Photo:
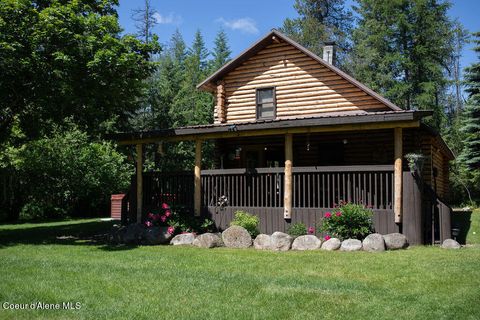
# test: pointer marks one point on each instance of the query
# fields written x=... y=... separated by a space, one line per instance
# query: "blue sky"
x=246 y=20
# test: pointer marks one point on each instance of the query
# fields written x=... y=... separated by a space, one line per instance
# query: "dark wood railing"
x=313 y=187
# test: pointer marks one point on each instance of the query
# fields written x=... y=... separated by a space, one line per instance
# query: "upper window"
x=266 y=103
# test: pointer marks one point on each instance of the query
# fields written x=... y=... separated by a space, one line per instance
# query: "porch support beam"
x=139 y=149
x=232 y=133
x=198 y=173
x=398 y=175
x=287 y=199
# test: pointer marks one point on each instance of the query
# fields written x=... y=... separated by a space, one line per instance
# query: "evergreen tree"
x=191 y=106
x=221 y=52
x=402 y=49
x=321 y=21
x=471 y=121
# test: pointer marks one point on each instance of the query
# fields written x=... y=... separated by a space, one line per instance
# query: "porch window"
x=266 y=103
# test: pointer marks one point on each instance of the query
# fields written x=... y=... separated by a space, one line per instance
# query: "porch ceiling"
x=326 y=123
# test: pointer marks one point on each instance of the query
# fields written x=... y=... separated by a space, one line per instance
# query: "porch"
x=255 y=172
x=315 y=191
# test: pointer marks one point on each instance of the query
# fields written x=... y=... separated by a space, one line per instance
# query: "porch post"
x=398 y=154
x=287 y=199
x=139 y=148
x=198 y=182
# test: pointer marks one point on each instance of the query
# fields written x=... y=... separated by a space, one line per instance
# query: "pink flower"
x=165 y=206
x=338 y=214
x=155 y=217
x=171 y=230
x=327 y=237
x=311 y=230
x=168 y=213
x=148 y=224
x=163 y=218
x=328 y=215
x=151 y=216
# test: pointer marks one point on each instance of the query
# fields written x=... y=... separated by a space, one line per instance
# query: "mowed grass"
x=66 y=261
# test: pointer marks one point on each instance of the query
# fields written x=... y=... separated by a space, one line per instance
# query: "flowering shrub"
x=177 y=221
x=349 y=220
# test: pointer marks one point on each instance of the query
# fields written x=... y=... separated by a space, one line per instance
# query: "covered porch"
x=294 y=171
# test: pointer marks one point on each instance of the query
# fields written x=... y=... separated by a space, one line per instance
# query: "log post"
x=220 y=106
x=398 y=175
x=287 y=199
x=198 y=182
x=139 y=148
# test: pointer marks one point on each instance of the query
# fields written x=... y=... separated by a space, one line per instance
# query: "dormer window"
x=266 y=103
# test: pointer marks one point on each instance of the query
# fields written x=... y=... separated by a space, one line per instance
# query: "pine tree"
x=221 y=52
x=321 y=21
x=402 y=50
x=471 y=121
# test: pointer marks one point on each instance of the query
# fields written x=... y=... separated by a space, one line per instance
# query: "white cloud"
x=171 y=18
x=246 y=25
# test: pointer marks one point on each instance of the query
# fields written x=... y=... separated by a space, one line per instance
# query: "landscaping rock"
x=451 y=244
x=395 y=241
x=155 y=235
x=236 y=237
x=281 y=241
x=374 y=243
x=307 y=242
x=331 y=244
x=208 y=240
x=263 y=242
x=351 y=245
x=183 y=239
x=133 y=233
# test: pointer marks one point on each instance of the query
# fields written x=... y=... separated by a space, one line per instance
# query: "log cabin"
x=295 y=135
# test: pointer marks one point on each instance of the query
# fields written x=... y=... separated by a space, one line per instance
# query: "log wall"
x=304 y=87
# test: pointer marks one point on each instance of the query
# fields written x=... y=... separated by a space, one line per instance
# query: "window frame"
x=258 y=105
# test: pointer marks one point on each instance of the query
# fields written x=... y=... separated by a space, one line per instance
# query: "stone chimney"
x=329 y=52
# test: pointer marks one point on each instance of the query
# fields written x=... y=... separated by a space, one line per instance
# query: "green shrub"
x=349 y=220
x=297 y=229
x=65 y=173
x=246 y=220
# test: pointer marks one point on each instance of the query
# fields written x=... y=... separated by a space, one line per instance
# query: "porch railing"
x=313 y=187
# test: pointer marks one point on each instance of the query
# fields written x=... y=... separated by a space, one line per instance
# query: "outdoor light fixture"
x=345 y=141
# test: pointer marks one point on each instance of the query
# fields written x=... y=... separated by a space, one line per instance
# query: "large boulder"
x=133 y=233
x=451 y=244
x=281 y=241
x=183 y=239
x=307 y=242
x=351 y=245
x=263 y=242
x=155 y=235
x=374 y=243
x=331 y=244
x=236 y=237
x=208 y=240
x=395 y=241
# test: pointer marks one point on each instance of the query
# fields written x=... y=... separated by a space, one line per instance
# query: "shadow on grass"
x=68 y=233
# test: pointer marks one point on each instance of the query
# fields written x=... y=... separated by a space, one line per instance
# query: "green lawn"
x=61 y=262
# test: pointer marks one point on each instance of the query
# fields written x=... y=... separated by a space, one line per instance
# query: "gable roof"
x=209 y=83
